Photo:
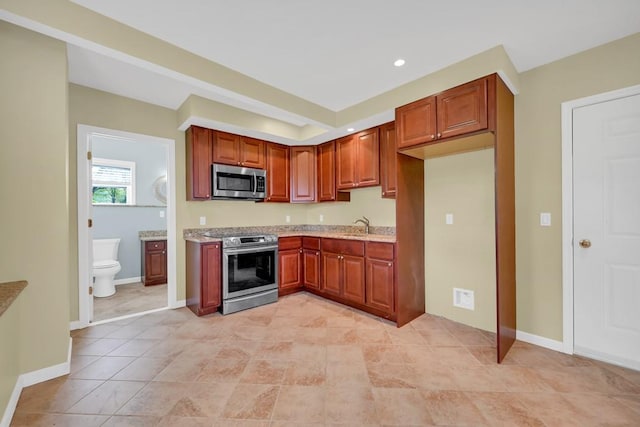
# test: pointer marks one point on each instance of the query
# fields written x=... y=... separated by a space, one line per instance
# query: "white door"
x=606 y=234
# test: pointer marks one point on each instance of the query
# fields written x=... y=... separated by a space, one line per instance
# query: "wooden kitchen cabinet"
x=388 y=153
x=343 y=269
x=380 y=276
x=154 y=262
x=303 y=174
x=236 y=150
x=358 y=160
x=204 y=277
x=462 y=110
x=198 y=156
x=326 y=156
x=311 y=262
x=289 y=265
x=277 y=172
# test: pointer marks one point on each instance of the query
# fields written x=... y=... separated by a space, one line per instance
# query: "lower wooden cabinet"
x=154 y=262
x=289 y=265
x=380 y=276
x=343 y=269
x=204 y=277
x=311 y=262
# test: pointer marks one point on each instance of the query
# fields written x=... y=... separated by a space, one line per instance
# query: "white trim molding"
x=540 y=341
x=567 y=205
x=31 y=378
x=127 y=281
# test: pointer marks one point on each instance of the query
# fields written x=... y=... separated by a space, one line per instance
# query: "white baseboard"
x=540 y=341
x=76 y=324
x=31 y=378
x=127 y=280
x=179 y=304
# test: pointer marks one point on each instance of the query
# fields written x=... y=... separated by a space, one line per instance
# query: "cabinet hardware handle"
x=317 y=253
x=433 y=136
x=439 y=135
x=164 y=252
x=585 y=243
x=207 y=195
x=389 y=264
x=300 y=250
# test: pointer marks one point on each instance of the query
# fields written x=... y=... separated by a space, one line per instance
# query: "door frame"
x=84 y=243
x=567 y=203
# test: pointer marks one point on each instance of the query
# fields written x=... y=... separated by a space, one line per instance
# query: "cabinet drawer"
x=311 y=243
x=155 y=245
x=345 y=247
x=380 y=250
x=285 y=243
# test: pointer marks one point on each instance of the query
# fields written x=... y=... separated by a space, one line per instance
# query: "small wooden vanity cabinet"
x=154 y=262
x=204 y=277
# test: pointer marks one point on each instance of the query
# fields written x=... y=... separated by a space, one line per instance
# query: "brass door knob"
x=585 y=243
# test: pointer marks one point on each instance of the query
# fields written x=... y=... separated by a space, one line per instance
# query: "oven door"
x=249 y=270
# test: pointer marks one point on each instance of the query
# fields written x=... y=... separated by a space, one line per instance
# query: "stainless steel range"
x=249 y=271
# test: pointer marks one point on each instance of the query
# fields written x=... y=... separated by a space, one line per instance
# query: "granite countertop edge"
x=152 y=235
x=9 y=291
x=379 y=234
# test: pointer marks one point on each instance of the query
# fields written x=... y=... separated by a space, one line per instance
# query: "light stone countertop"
x=9 y=291
x=379 y=234
x=152 y=235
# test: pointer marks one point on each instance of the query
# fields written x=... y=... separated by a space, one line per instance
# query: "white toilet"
x=105 y=266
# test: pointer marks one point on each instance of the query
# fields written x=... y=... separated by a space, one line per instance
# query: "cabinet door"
x=353 y=278
x=155 y=265
x=327 y=171
x=198 y=145
x=462 y=109
x=416 y=122
x=311 y=268
x=277 y=173
x=226 y=148
x=289 y=269
x=388 y=160
x=331 y=273
x=303 y=174
x=368 y=158
x=346 y=163
x=380 y=287
x=252 y=153
x=211 y=275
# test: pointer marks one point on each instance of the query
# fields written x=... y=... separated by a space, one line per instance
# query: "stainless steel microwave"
x=235 y=182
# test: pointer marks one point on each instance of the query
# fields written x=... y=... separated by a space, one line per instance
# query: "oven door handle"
x=247 y=250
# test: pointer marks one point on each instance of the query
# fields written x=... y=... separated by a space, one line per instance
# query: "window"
x=113 y=182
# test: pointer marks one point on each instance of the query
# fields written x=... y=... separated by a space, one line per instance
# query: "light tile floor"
x=129 y=299
x=306 y=361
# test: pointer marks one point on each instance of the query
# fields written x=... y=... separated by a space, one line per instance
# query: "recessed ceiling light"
x=350 y=130
x=399 y=62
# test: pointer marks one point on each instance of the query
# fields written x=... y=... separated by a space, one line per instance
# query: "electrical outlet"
x=161 y=214
x=287 y=219
x=545 y=219
x=463 y=298
x=448 y=219
x=203 y=220
x=321 y=218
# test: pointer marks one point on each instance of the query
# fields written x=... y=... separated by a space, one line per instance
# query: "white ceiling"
x=337 y=53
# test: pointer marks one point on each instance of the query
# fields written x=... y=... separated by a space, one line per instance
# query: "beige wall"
x=9 y=356
x=538 y=170
x=33 y=188
x=461 y=255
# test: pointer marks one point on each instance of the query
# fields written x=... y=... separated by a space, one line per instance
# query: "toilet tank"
x=105 y=249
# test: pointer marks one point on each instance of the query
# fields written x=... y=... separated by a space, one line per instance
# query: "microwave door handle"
x=255 y=183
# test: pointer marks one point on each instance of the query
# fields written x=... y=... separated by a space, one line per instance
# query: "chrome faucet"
x=365 y=221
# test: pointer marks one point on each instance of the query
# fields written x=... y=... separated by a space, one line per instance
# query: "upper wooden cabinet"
x=358 y=160
x=326 y=154
x=303 y=174
x=236 y=150
x=277 y=172
x=198 y=156
x=459 y=111
x=388 y=159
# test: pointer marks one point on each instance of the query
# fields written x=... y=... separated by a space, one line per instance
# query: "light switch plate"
x=321 y=218
x=545 y=219
x=203 y=220
x=448 y=219
x=161 y=214
x=287 y=218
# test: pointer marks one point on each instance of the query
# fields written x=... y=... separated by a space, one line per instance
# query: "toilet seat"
x=105 y=264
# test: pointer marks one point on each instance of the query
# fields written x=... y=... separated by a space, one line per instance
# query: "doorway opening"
x=126 y=200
